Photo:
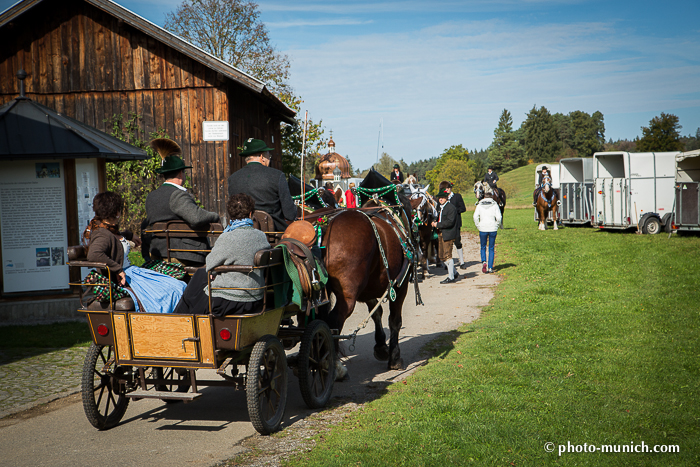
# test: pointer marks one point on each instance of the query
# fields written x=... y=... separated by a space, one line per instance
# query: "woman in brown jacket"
x=151 y=291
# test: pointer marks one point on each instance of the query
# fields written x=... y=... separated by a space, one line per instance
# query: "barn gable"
x=93 y=59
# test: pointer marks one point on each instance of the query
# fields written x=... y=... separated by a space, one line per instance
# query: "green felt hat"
x=168 y=150
x=172 y=164
x=443 y=194
x=254 y=146
x=396 y=166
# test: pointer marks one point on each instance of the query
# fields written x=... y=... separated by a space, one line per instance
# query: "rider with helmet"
x=538 y=186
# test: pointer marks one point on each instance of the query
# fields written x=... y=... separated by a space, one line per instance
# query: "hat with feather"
x=168 y=151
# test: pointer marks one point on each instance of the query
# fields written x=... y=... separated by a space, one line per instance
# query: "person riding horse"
x=538 y=186
x=491 y=178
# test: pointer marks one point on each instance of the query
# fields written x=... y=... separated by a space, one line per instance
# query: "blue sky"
x=439 y=73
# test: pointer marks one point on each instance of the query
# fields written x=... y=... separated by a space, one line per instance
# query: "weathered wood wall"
x=90 y=65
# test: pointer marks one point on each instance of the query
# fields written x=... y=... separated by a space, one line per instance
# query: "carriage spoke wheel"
x=104 y=399
x=266 y=385
x=317 y=365
x=178 y=380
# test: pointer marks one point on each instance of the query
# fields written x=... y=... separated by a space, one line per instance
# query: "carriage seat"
x=263 y=221
x=78 y=258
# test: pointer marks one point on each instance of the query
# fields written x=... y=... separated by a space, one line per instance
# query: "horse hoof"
x=397 y=365
x=381 y=353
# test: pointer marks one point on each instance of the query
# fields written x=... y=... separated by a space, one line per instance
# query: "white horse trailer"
x=553 y=170
x=633 y=189
x=576 y=188
x=686 y=211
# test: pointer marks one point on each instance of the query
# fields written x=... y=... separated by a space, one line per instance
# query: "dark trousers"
x=196 y=302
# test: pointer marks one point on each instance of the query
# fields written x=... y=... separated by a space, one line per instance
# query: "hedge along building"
x=93 y=59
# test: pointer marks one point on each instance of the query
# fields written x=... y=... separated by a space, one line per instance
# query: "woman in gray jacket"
x=237 y=245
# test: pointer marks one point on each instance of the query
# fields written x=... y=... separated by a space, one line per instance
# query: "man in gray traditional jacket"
x=172 y=202
x=267 y=186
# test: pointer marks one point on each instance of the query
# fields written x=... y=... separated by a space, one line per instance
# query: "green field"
x=592 y=338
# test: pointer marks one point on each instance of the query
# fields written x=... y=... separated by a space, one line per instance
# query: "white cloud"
x=447 y=84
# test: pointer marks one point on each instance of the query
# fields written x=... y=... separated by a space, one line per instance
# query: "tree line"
x=231 y=30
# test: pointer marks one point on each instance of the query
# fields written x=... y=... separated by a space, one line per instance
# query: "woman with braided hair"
x=151 y=291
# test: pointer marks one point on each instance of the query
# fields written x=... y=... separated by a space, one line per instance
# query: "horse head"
x=423 y=204
x=479 y=190
x=546 y=184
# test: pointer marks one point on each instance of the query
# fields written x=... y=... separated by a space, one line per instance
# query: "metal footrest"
x=176 y=396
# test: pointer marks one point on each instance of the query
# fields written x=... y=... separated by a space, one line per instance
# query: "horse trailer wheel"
x=266 y=385
x=104 y=399
x=178 y=381
x=652 y=226
x=317 y=364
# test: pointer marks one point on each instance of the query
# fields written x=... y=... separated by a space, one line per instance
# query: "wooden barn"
x=92 y=59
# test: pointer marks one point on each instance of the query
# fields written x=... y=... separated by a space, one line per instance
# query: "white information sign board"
x=33 y=226
x=215 y=131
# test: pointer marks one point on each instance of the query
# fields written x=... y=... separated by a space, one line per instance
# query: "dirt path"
x=446 y=308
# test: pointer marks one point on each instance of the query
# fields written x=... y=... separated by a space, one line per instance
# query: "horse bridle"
x=424 y=200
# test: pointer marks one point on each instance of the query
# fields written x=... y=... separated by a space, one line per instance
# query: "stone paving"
x=29 y=377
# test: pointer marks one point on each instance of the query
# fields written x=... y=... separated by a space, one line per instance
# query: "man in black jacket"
x=449 y=231
x=170 y=202
x=267 y=186
x=458 y=202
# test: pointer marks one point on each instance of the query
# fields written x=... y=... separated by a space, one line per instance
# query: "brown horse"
x=357 y=273
x=424 y=207
x=483 y=190
x=547 y=201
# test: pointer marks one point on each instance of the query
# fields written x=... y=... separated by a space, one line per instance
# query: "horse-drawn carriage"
x=369 y=256
x=140 y=355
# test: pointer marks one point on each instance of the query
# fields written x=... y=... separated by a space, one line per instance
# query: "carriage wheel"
x=266 y=385
x=317 y=365
x=178 y=381
x=104 y=399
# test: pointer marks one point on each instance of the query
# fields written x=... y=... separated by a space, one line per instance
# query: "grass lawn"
x=591 y=338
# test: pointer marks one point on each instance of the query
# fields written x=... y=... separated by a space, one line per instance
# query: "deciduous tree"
x=662 y=134
x=232 y=31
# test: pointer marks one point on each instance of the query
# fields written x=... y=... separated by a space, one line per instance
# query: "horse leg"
x=395 y=323
x=541 y=217
x=554 y=216
x=335 y=319
x=381 y=350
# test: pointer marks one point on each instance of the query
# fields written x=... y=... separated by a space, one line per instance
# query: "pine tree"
x=505 y=152
x=540 y=135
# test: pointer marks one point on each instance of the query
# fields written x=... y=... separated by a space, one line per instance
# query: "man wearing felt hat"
x=396 y=174
x=267 y=186
x=448 y=232
x=172 y=202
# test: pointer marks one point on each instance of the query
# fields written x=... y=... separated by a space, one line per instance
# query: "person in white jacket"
x=487 y=218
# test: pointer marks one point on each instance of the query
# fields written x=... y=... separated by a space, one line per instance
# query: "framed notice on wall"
x=215 y=131
x=33 y=226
